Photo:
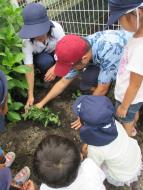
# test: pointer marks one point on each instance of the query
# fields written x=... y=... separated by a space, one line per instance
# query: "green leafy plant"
x=44 y=116
x=76 y=94
x=11 y=56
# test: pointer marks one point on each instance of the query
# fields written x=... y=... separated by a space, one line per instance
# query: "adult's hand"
x=39 y=105
x=50 y=75
x=29 y=103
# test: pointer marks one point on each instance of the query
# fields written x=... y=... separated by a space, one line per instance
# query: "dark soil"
x=23 y=137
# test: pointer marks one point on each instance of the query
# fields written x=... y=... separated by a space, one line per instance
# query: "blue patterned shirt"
x=107 y=48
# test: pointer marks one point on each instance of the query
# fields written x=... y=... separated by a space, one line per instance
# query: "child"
x=108 y=143
x=3 y=100
x=58 y=164
x=129 y=83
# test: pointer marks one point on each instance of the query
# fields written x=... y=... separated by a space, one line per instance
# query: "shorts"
x=133 y=109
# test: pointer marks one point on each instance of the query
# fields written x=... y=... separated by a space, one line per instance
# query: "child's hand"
x=29 y=185
x=121 y=111
x=76 y=124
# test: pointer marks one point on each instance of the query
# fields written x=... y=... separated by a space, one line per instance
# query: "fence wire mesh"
x=82 y=17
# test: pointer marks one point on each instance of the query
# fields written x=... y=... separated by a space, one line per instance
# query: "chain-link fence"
x=82 y=17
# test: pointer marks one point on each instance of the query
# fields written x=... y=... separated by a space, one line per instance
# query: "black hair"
x=56 y=161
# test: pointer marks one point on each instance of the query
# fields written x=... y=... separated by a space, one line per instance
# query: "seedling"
x=44 y=116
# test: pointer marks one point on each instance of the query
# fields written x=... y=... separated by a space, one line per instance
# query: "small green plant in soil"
x=76 y=94
x=44 y=116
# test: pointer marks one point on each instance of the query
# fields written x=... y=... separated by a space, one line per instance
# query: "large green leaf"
x=16 y=106
x=2 y=54
x=17 y=83
x=1 y=37
x=22 y=69
x=11 y=56
x=13 y=116
x=19 y=57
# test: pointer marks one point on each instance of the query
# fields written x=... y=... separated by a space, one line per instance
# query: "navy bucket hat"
x=118 y=8
x=36 y=21
x=3 y=88
x=97 y=115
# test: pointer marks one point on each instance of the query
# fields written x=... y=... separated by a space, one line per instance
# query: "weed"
x=44 y=116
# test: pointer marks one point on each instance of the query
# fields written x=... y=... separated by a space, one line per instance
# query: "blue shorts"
x=133 y=109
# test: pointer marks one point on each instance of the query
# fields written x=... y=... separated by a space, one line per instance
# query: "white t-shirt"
x=121 y=159
x=132 y=61
x=37 y=47
x=90 y=177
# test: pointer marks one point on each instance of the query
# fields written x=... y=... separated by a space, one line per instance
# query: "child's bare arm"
x=76 y=124
x=134 y=85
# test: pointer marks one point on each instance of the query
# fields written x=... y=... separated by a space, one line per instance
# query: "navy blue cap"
x=97 y=115
x=89 y=77
x=3 y=88
x=118 y=8
x=36 y=21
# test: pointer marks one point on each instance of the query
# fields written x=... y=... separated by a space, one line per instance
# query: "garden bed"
x=24 y=136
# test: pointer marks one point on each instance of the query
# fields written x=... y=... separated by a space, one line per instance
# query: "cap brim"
x=3 y=87
x=113 y=18
x=62 y=69
x=97 y=135
x=32 y=31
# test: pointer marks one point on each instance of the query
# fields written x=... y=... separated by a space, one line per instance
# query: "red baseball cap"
x=69 y=50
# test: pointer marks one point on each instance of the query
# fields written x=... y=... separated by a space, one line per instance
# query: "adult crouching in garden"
x=40 y=38
x=98 y=54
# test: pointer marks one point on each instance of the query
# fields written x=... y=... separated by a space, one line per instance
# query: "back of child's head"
x=56 y=161
x=97 y=115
